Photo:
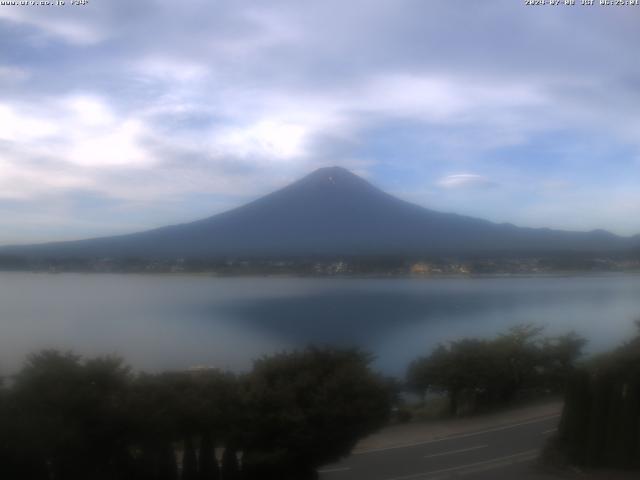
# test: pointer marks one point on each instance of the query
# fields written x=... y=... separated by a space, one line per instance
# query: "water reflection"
x=159 y=322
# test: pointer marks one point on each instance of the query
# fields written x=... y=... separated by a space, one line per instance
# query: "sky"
x=118 y=116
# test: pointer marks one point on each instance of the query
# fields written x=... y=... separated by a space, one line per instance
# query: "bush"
x=65 y=418
x=478 y=373
x=600 y=425
x=309 y=408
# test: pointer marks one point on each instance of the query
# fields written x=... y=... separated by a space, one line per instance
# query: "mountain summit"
x=334 y=176
x=332 y=212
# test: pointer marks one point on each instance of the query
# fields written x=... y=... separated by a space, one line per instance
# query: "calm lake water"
x=160 y=322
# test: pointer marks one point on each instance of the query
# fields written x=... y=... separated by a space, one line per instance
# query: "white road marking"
x=497 y=462
x=524 y=457
x=335 y=470
x=456 y=437
x=453 y=452
x=551 y=430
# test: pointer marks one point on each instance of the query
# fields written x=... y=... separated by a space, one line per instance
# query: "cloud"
x=465 y=180
x=278 y=140
x=162 y=107
x=70 y=28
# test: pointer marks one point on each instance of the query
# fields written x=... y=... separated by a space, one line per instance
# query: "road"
x=503 y=452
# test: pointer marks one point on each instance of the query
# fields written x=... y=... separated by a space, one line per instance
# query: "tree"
x=599 y=425
x=207 y=463
x=72 y=414
x=230 y=466
x=308 y=408
x=66 y=418
x=493 y=372
x=559 y=358
x=189 y=461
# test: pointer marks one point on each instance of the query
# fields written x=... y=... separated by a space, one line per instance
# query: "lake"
x=174 y=321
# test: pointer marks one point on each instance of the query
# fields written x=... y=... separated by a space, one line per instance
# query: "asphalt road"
x=505 y=452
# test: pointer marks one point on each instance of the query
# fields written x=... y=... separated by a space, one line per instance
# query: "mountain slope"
x=332 y=212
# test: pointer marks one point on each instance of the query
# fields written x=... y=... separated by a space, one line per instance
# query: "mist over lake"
x=175 y=322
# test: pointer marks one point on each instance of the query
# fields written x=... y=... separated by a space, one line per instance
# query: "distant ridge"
x=332 y=212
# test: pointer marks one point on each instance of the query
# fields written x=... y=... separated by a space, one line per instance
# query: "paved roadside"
x=496 y=451
x=415 y=433
x=498 y=446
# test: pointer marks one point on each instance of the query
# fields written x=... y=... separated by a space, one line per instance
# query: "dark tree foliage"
x=230 y=464
x=600 y=424
x=207 y=464
x=558 y=358
x=65 y=418
x=309 y=408
x=476 y=373
x=574 y=423
x=189 y=461
x=182 y=408
x=163 y=465
x=71 y=416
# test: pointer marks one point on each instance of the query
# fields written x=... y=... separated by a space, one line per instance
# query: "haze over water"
x=174 y=322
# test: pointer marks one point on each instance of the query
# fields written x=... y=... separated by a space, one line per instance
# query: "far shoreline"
x=479 y=276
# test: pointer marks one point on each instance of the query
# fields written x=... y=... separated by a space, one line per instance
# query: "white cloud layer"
x=465 y=180
x=159 y=111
